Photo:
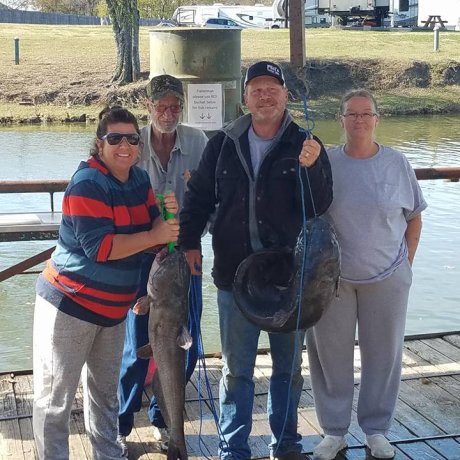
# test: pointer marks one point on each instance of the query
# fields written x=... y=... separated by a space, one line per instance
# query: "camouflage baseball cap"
x=162 y=85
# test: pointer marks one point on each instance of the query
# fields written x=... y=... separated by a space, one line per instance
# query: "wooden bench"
x=432 y=21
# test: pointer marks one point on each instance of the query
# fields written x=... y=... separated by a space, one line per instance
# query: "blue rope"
x=310 y=124
x=197 y=300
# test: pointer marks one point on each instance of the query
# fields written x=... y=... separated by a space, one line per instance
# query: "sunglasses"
x=162 y=108
x=117 y=138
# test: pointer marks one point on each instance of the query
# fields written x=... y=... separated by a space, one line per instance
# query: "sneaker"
x=121 y=440
x=380 y=446
x=161 y=435
x=329 y=447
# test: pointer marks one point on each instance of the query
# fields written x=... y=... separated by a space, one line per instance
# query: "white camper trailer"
x=247 y=16
x=258 y=16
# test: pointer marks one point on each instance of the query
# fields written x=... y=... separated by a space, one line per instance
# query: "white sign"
x=204 y=106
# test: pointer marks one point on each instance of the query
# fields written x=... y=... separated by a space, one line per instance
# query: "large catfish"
x=167 y=295
x=271 y=284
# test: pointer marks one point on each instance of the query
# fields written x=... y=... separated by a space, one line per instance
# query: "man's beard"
x=165 y=129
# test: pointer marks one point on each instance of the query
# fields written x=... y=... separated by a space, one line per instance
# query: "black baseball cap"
x=264 y=68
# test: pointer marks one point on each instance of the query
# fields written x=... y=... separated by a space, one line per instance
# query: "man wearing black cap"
x=170 y=152
x=249 y=177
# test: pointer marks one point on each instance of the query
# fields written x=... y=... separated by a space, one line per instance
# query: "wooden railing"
x=34 y=186
x=53 y=186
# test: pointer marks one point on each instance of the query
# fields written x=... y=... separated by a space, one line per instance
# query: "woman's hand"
x=164 y=231
x=309 y=153
x=171 y=203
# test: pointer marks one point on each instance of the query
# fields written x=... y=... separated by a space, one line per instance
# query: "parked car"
x=221 y=23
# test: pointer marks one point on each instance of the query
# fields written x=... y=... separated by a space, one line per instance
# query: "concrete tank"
x=208 y=62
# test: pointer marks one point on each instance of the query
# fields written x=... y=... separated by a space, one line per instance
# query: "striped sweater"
x=79 y=279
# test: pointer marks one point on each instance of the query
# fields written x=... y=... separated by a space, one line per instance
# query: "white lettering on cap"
x=273 y=69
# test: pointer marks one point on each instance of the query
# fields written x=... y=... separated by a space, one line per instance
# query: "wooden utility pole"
x=297 y=32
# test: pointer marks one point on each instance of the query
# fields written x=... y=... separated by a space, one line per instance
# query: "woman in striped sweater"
x=109 y=218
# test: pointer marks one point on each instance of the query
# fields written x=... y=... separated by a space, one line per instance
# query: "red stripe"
x=105 y=248
x=151 y=198
x=62 y=282
x=97 y=165
x=140 y=214
x=83 y=206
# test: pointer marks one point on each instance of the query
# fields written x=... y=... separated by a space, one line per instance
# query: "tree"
x=82 y=7
x=125 y=23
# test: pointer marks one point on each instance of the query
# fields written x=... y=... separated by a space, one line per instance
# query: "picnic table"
x=432 y=20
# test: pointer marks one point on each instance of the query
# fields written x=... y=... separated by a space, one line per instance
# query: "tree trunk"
x=125 y=23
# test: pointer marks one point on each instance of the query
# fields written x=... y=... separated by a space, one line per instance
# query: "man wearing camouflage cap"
x=170 y=152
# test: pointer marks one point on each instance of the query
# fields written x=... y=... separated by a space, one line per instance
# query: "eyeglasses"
x=177 y=108
x=117 y=138
x=363 y=116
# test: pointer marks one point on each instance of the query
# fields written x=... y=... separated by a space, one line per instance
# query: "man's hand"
x=309 y=153
x=194 y=260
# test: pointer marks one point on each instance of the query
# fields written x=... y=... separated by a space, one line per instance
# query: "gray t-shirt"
x=259 y=148
x=185 y=156
x=374 y=198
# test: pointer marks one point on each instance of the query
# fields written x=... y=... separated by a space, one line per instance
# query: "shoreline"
x=400 y=102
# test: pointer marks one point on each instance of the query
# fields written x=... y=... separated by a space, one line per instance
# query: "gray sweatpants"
x=379 y=309
x=62 y=345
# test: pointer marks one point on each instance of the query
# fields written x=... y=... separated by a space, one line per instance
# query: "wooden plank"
x=433 y=403
x=450 y=385
x=414 y=422
x=140 y=442
x=420 y=451
x=444 y=348
x=416 y=366
x=24 y=400
x=79 y=445
x=200 y=430
x=10 y=432
x=308 y=423
x=448 y=448
x=453 y=339
x=441 y=362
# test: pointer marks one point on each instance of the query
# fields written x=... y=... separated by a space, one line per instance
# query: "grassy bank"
x=65 y=71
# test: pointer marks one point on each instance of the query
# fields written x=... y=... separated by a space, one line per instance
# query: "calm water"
x=53 y=152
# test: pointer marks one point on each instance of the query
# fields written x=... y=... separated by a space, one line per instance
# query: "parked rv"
x=372 y=12
x=257 y=16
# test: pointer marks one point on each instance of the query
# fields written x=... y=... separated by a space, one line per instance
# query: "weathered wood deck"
x=427 y=423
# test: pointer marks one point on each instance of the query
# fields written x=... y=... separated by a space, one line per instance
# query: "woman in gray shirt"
x=376 y=212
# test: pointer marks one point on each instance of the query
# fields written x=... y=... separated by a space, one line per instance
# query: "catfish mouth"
x=279 y=290
x=262 y=286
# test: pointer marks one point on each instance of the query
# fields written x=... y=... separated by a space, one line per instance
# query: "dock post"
x=16 y=50
x=436 y=37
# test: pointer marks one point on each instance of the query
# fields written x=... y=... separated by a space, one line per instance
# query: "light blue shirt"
x=185 y=156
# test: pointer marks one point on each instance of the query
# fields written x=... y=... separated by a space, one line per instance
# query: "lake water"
x=53 y=152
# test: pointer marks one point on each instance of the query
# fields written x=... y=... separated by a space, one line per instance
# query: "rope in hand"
x=310 y=124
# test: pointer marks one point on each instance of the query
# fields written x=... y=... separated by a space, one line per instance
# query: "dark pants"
x=134 y=370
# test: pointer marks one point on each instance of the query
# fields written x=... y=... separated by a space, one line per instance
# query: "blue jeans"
x=134 y=370
x=239 y=340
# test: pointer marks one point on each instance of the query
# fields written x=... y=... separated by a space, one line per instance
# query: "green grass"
x=322 y=43
x=72 y=66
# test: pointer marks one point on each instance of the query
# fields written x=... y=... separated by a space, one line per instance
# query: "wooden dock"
x=426 y=426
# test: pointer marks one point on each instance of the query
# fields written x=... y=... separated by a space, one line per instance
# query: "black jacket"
x=251 y=213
